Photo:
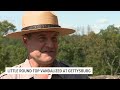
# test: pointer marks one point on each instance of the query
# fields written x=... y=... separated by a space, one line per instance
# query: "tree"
x=111 y=50
x=6 y=27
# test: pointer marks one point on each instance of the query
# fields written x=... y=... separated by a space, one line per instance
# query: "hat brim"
x=62 y=31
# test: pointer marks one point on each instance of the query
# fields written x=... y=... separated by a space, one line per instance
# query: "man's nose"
x=49 y=44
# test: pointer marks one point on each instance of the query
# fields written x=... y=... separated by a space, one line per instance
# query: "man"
x=40 y=34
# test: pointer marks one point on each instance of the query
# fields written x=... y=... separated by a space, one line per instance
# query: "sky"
x=71 y=19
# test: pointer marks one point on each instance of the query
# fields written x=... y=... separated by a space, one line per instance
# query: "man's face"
x=42 y=46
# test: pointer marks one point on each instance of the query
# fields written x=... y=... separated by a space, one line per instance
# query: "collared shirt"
x=50 y=76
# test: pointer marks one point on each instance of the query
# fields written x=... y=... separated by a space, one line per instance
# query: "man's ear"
x=25 y=39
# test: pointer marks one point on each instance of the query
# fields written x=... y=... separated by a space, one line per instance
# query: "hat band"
x=40 y=26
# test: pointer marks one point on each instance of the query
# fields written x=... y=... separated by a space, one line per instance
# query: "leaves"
x=6 y=27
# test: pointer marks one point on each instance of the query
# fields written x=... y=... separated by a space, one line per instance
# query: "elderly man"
x=40 y=34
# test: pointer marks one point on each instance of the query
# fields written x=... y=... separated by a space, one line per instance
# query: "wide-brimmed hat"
x=37 y=21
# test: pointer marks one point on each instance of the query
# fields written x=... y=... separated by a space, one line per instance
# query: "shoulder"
x=5 y=76
x=79 y=76
x=63 y=64
x=72 y=76
x=2 y=75
x=9 y=76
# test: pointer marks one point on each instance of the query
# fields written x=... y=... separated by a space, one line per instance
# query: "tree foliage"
x=6 y=27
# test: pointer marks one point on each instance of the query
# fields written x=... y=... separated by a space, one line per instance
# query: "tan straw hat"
x=36 y=21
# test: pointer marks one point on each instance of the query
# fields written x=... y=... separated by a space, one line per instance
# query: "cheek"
x=34 y=46
x=56 y=45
